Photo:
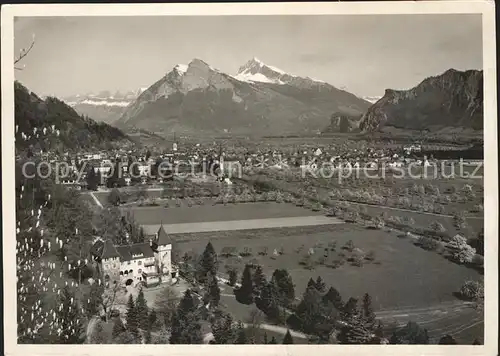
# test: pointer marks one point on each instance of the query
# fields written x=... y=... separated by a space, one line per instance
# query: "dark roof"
x=109 y=250
x=162 y=237
x=104 y=249
x=135 y=251
x=97 y=248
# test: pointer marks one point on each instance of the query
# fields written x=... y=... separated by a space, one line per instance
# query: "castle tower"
x=110 y=263
x=163 y=256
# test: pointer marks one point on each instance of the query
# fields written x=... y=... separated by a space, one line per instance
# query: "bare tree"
x=23 y=53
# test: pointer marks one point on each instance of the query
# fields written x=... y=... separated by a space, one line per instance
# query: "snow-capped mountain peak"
x=256 y=70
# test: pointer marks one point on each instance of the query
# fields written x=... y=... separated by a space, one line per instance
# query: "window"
x=139 y=263
x=106 y=277
x=139 y=271
x=131 y=271
x=129 y=262
x=121 y=273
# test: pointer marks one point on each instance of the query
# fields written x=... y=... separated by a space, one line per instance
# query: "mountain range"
x=198 y=99
x=103 y=106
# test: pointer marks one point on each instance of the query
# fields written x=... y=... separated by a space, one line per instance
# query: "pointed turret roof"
x=162 y=238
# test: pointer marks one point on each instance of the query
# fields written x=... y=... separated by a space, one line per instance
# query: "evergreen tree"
x=368 y=313
x=308 y=311
x=152 y=319
x=285 y=287
x=244 y=294
x=118 y=328
x=148 y=336
x=311 y=283
x=273 y=340
x=186 y=327
x=223 y=329
x=187 y=304
x=411 y=334
x=212 y=293
x=288 y=338
x=354 y=332
x=259 y=280
x=132 y=321
x=241 y=337
x=141 y=311
x=320 y=285
x=268 y=302
x=207 y=264
x=334 y=297
x=350 y=308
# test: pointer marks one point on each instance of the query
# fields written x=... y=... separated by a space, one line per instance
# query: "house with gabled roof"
x=147 y=263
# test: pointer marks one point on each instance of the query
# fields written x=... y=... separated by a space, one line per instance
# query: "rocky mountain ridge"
x=452 y=99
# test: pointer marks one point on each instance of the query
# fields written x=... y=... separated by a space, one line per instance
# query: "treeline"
x=51 y=124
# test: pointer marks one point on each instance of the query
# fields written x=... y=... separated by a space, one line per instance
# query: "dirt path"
x=249 y=224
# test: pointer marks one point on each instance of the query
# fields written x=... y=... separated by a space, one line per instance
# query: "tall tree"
x=368 y=313
x=335 y=298
x=259 y=280
x=186 y=327
x=268 y=302
x=207 y=264
x=241 y=336
x=320 y=285
x=244 y=294
x=285 y=287
x=212 y=291
x=288 y=338
x=141 y=310
x=311 y=283
x=118 y=328
x=131 y=316
x=223 y=329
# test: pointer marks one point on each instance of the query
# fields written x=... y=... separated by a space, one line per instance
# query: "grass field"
x=405 y=276
x=209 y=213
x=405 y=282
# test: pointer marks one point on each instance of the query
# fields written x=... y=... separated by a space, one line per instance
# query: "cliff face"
x=453 y=99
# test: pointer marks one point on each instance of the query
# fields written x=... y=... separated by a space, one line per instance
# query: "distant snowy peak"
x=257 y=71
x=371 y=99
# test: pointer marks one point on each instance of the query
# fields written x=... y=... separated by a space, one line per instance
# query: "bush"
x=427 y=243
x=357 y=260
x=478 y=208
x=349 y=246
x=472 y=290
x=465 y=254
x=247 y=251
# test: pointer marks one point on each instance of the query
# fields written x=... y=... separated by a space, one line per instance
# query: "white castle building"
x=149 y=263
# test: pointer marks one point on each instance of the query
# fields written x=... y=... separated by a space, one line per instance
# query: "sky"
x=364 y=54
